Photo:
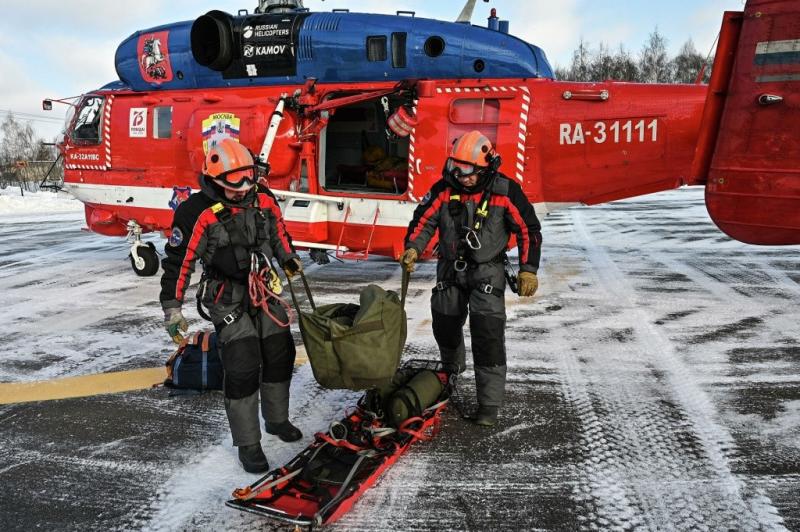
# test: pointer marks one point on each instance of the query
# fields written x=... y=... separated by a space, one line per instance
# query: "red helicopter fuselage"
x=348 y=185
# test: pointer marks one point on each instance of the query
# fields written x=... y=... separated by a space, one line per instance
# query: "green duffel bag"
x=355 y=347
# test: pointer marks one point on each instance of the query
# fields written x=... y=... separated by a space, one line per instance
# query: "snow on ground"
x=14 y=202
x=653 y=384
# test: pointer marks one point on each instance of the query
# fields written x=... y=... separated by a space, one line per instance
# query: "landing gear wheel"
x=319 y=256
x=146 y=265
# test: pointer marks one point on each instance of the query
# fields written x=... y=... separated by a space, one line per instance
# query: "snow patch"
x=12 y=202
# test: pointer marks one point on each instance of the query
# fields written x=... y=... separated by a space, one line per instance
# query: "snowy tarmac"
x=654 y=384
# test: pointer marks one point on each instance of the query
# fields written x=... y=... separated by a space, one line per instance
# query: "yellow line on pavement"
x=82 y=386
x=89 y=385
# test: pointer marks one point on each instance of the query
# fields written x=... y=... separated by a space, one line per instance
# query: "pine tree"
x=687 y=64
x=624 y=67
x=602 y=64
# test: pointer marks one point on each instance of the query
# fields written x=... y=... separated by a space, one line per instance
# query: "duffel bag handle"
x=308 y=292
x=404 y=288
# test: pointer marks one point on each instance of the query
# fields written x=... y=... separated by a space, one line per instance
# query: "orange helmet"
x=230 y=165
x=471 y=153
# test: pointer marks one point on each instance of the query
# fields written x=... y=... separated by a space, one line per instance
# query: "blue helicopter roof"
x=331 y=47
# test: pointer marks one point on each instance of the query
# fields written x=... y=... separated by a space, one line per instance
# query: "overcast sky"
x=57 y=48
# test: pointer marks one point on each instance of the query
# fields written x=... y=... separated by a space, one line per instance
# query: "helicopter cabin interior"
x=359 y=153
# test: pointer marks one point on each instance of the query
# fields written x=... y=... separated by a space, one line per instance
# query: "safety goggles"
x=242 y=178
x=458 y=168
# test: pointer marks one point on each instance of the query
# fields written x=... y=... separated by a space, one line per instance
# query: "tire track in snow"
x=633 y=431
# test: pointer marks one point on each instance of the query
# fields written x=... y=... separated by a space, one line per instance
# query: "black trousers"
x=475 y=293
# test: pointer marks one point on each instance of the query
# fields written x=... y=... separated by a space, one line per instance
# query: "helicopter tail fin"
x=748 y=152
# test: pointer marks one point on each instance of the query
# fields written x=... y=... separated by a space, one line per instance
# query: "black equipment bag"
x=196 y=364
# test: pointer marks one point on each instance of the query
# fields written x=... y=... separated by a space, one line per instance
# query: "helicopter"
x=351 y=116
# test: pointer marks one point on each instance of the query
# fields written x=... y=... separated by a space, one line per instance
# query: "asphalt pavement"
x=653 y=385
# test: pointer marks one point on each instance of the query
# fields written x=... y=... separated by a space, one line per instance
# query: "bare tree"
x=20 y=147
x=654 y=63
x=580 y=69
x=653 y=66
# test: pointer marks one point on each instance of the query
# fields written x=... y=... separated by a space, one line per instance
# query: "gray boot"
x=486 y=416
x=275 y=409
x=253 y=459
x=243 y=420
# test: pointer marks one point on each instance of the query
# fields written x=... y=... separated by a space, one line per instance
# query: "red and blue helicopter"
x=354 y=114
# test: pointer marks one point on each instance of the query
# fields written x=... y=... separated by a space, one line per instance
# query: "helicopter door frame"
x=370 y=162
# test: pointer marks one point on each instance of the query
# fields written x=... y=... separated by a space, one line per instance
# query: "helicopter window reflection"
x=87 y=123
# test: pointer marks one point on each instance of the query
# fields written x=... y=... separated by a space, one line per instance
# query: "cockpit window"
x=87 y=124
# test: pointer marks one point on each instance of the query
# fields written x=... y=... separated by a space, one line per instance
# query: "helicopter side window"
x=399 y=50
x=162 y=122
x=475 y=111
x=87 y=124
x=376 y=48
x=467 y=114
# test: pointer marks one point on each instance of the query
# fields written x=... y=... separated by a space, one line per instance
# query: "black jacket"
x=197 y=232
x=509 y=212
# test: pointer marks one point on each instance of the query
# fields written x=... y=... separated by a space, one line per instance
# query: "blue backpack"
x=195 y=365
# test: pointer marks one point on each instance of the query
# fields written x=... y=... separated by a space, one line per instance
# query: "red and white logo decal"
x=137 y=126
x=153 y=54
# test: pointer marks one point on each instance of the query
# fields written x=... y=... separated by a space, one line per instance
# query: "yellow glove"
x=292 y=267
x=175 y=323
x=528 y=283
x=408 y=259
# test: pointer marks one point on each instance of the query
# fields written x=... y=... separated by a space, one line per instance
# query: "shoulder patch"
x=179 y=195
x=175 y=238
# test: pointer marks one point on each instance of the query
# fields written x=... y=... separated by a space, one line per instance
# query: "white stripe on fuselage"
x=393 y=212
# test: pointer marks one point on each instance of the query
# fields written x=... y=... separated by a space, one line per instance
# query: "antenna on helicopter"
x=278 y=6
x=466 y=13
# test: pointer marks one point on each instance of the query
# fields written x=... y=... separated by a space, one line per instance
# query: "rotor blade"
x=466 y=13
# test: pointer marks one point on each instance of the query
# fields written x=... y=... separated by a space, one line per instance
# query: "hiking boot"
x=285 y=431
x=486 y=416
x=253 y=459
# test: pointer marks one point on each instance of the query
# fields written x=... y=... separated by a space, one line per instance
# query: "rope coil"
x=260 y=292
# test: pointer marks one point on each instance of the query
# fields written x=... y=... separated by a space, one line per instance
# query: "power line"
x=31 y=116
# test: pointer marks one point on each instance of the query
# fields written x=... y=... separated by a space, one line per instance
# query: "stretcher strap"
x=404 y=287
x=339 y=443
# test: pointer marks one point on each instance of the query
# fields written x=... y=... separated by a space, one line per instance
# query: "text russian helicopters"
x=355 y=114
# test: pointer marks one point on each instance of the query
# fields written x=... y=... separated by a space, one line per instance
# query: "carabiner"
x=472 y=239
x=460 y=265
